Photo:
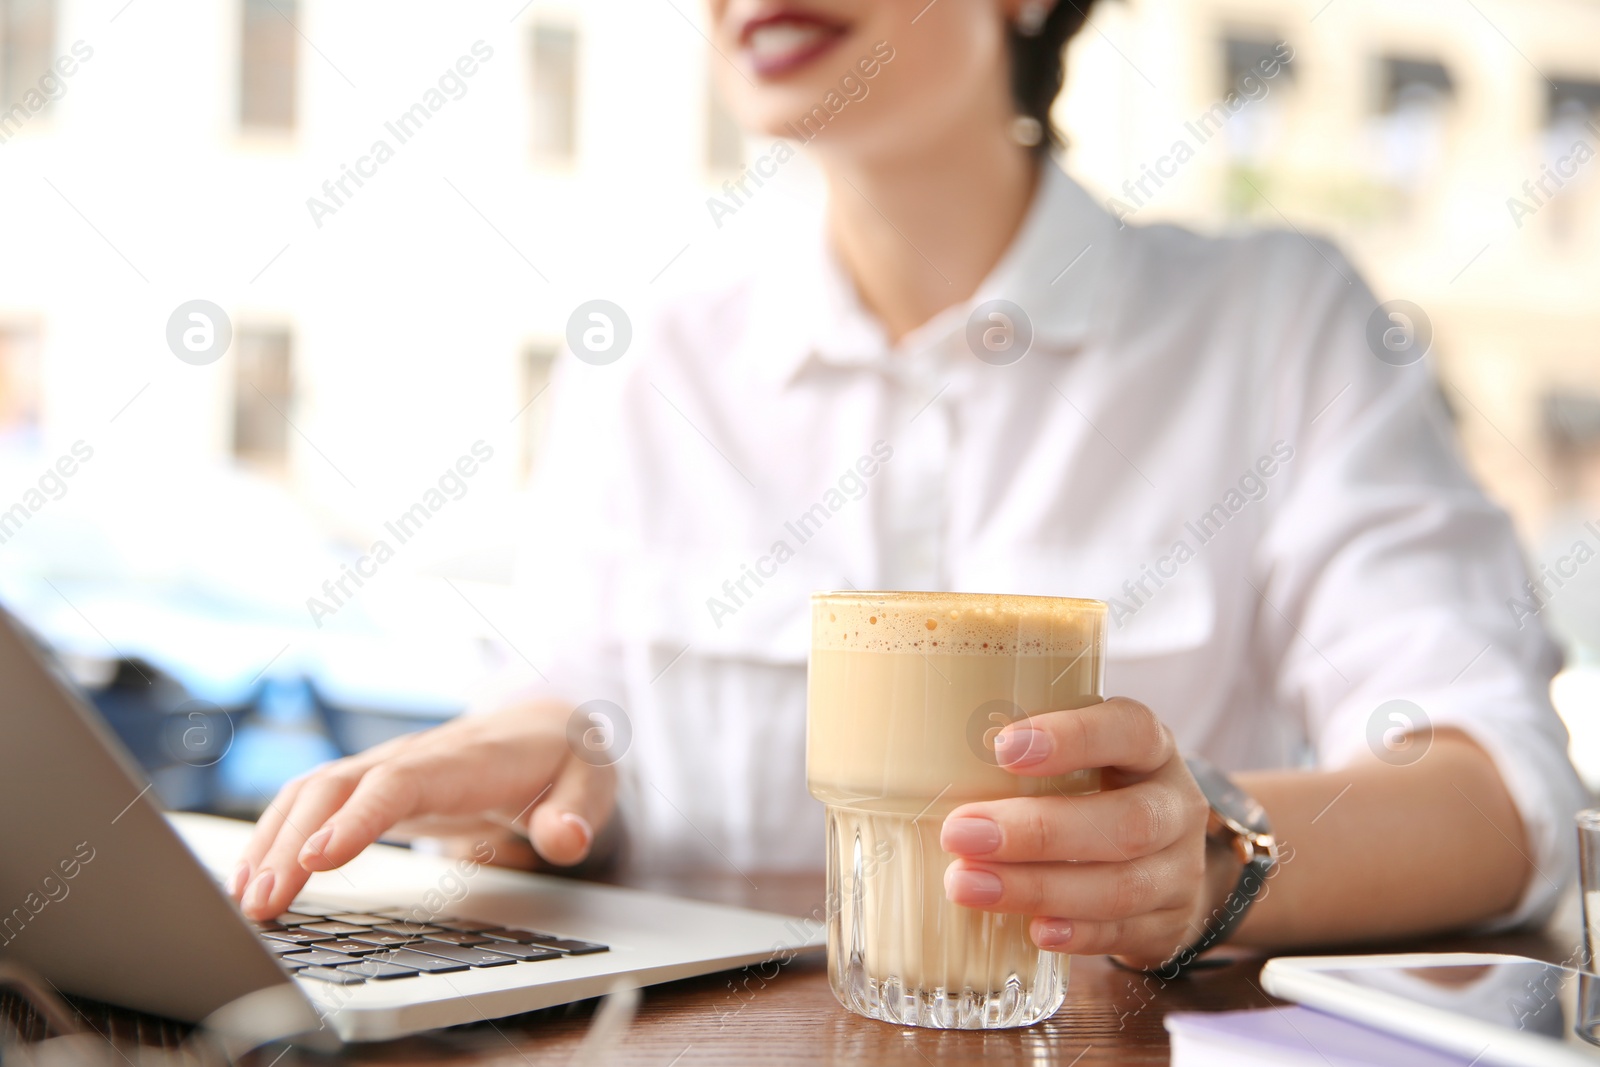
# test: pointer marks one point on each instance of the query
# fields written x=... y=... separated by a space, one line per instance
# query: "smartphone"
x=1488 y=1008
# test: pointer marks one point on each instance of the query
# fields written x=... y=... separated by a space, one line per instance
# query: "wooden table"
x=741 y=1018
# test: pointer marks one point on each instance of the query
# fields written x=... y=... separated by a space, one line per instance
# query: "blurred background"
x=395 y=207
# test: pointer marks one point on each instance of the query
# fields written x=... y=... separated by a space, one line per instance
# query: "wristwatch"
x=1240 y=822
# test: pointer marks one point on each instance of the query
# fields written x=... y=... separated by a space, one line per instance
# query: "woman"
x=1193 y=428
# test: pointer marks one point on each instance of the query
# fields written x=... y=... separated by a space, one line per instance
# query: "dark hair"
x=1038 y=65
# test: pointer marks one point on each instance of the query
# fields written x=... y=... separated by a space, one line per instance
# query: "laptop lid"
x=97 y=893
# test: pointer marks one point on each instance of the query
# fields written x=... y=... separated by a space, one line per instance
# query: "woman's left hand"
x=1120 y=872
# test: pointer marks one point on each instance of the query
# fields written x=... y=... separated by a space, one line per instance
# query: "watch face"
x=1227 y=799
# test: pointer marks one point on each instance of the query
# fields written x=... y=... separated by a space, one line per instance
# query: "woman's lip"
x=794 y=15
x=827 y=34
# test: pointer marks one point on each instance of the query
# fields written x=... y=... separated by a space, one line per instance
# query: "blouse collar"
x=806 y=311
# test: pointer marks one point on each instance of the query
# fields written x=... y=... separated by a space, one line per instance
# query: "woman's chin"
x=801 y=119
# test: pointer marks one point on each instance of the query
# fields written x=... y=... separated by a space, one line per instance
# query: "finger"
x=280 y=876
x=563 y=824
x=261 y=839
x=271 y=822
x=1143 y=941
x=384 y=795
x=1081 y=890
x=1119 y=824
x=489 y=843
x=432 y=825
x=1118 y=733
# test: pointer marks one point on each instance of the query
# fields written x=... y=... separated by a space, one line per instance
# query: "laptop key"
x=295 y=918
x=297 y=936
x=268 y=926
x=501 y=933
x=283 y=948
x=404 y=957
x=358 y=918
x=408 y=929
x=571 y=946
x=330 y=974
x=334 y=928
x=378 y=969
x=465 y=926
x=472 y=957
x=305 y=907
x=348 y=947
x=525 y=953
x=451 y=937
x=320 y=957
x=415 y=913
x=382 y=938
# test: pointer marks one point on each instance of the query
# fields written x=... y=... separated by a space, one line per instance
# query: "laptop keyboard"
x=347 y=948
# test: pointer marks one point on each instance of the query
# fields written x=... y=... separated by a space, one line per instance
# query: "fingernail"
x=965 y=886
x=1052 y=934
x=579 y=823
x=236 y=883
x=260 y=890
x=969 y=835
x=316 y=847
x=1021 y=747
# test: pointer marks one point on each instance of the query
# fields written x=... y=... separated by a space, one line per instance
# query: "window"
x=554 y=107
x=27 y=47
x=537 y=361
x=724 y=139
x=1571 y=96
x=19 y=379
x=1570 y=139
x=263 y=396
x=1407 y=82
x=268 y=57
x=1572 y=419
x=1411 y=118
x=1571 y=423
x=1255 y=75
x=1251 y=54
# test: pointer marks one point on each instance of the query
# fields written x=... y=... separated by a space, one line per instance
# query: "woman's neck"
x=920 y=233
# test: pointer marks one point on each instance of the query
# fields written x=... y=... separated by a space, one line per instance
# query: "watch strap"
x=1258 y=866
x=1252 y=880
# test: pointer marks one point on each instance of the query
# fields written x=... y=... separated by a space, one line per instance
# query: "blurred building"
x=399 y=204
x=1452 y=149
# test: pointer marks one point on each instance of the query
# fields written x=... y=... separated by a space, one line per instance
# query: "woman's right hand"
x=515 y=765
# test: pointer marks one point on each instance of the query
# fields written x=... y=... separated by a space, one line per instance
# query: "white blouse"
x=1199 y=433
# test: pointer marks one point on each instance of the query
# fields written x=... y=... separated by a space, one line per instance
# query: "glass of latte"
x=906 y=694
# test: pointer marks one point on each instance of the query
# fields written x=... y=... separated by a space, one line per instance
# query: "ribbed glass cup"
x=906 y=693
x=1589 y=885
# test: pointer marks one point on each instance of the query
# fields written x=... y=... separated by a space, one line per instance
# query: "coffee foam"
x=955 y=623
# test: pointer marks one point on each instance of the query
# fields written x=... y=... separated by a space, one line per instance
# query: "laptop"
x=106 y=896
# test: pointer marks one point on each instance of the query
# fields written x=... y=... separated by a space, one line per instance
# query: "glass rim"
x=906 y=596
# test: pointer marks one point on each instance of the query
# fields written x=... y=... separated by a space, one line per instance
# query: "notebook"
x=1291 y=1037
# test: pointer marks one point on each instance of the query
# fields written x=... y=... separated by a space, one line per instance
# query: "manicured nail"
x=315 y=850
x=260 y=890
x=969 y=835
x=579 y=823
x=1022 y=747
x=1053 y=934
x=966 y=886
x=241 y=875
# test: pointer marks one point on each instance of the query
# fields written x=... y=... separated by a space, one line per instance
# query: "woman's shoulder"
x=1241 y=262
x=1275 y=290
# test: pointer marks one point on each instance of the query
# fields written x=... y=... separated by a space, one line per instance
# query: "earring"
x=1027 y=131
x=1030 y=20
